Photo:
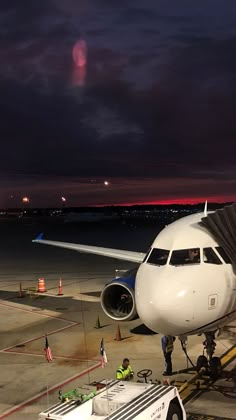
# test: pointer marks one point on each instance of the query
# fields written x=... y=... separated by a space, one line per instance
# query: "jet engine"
x=118 y=300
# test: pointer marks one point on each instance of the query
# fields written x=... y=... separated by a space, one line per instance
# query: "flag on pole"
x=48 y=353
x=103 y=354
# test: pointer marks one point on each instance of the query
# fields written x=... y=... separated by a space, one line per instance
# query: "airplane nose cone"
x=163 y=301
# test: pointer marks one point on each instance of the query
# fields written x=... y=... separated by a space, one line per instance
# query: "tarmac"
x=29 y=384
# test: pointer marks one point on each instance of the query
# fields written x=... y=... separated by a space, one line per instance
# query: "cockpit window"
x=158 y=256
x=146 y=256
x=223 y=254
x=210 y=257
x=185 y=256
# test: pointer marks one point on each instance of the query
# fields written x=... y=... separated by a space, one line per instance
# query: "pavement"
x=29 y=383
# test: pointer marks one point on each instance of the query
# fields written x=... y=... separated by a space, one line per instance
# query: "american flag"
x=103 y=354
x=48 y=353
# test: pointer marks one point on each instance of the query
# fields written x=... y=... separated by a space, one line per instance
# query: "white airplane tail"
x=205 y=209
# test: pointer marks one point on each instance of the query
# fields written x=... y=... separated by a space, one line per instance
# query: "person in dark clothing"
x=167 y=343
x=193 y=256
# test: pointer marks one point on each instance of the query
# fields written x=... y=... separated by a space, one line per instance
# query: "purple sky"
x=153 y=112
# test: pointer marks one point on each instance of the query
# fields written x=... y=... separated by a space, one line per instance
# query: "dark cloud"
x=156 y=102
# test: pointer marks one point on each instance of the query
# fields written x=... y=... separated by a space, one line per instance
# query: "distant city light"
x=63 y=199
x=106 y=183
x=25 y=200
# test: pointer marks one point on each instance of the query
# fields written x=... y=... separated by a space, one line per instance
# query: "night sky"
x=153 y=110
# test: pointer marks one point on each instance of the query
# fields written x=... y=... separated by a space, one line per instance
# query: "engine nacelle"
x=118 y=301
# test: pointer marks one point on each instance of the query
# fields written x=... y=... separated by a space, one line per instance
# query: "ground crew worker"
x=125 y=372
x=167 y=343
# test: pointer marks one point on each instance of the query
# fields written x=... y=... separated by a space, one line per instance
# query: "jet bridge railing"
x=222 y=226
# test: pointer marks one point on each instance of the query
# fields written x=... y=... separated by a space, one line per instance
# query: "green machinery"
x=76 y=396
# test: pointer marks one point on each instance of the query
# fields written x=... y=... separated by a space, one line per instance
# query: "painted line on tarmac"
x=8 y=349
x=49 y=391
x=196 y=383
x=7 y=284
x=37 y=312
x=205 y=417
x=228 y=356
x=27 y=353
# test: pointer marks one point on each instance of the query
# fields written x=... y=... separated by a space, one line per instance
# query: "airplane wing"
x=119 y=254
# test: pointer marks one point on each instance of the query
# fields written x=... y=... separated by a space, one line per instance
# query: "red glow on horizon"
x=184 y=201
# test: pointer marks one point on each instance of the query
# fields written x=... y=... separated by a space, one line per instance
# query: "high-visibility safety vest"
x=170 y=344
x=124 y=374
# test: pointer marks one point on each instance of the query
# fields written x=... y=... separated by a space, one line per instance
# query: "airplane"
x=184 y=285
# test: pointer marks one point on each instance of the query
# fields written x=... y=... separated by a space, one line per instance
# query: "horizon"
x=117 y=103
x=64 y=208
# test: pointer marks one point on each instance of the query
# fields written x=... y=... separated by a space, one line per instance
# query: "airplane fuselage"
x=183 y=297
x=185 y=284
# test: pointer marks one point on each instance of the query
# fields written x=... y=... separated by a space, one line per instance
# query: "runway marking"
x=49 y=391
x=203 y=417
x=228 y=356
x=7 y=284
x=8 y=349
x=37 y=311
x=59 y=385
x=27 y=353
x=65 y=284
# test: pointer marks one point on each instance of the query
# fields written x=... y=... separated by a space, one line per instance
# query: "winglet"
x=205 y=209
x=39 y=237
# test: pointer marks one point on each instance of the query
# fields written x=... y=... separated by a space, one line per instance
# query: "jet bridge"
x=222 y=226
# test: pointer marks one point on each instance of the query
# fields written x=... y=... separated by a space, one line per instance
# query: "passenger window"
x=185 y=256
x=210 y=257
x=158 y=256
x=223 y=255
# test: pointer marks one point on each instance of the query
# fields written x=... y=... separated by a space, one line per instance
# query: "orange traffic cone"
x=20 y=293
x=118 y=334
x=60 y=288
x=41 y=286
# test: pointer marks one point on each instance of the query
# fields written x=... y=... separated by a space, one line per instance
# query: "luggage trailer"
x=121 y=400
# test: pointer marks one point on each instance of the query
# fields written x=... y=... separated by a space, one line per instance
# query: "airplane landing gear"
x=208 y=364
x=209 y=344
